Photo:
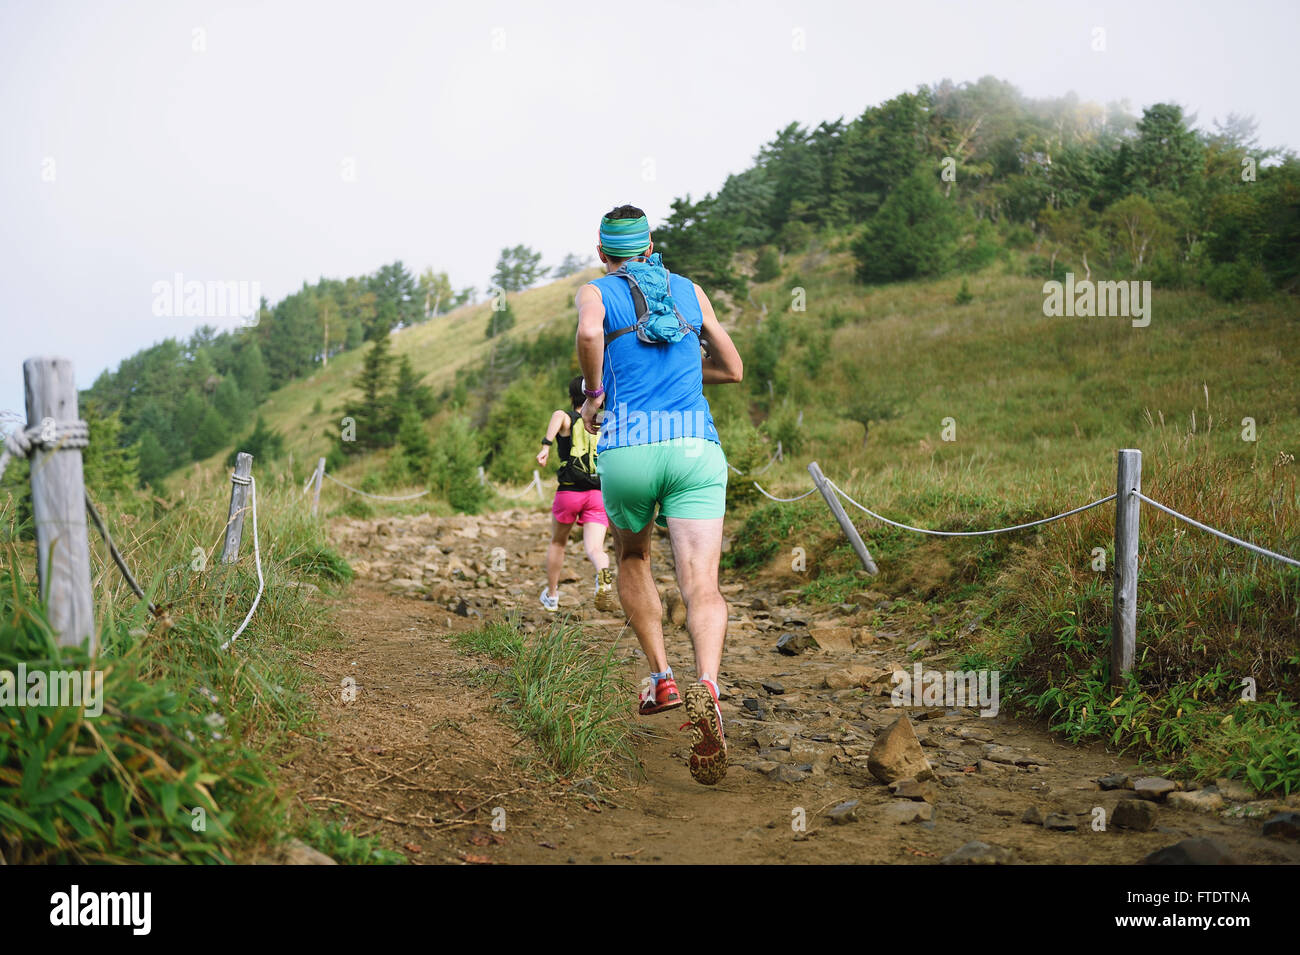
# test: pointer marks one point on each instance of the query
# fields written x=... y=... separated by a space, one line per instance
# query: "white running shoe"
x=550 y=601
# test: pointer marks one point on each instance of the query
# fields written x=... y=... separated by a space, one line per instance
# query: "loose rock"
x=1191 y=852
x=792 y=644
x=1202 y=800
x=912 y=789
x=1232 y=790
x=844 y=813
x=1134 y=814
x=896 y=754
x=901 y=813
x=1153 y=787
x=1285 y=825
x=978 y=853
x=839 y=639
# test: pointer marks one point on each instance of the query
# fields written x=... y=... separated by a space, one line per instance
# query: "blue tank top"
x=653 y=393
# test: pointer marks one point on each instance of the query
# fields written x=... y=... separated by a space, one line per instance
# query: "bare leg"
x=697 y=547
x=555 y=554
x=593 y=541
x=638 y=593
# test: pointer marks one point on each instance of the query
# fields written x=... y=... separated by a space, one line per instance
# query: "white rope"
x=377 y=497
x=997 y=530
x=49 y=435
x=310 y=477
x=775 y=457
x=770 y=461
x=1210 y=530
x=528 y=487
x=783 y=500
x=257 y=556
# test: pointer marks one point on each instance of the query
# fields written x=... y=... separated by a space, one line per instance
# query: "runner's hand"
x=543 y=455
x=589 y=409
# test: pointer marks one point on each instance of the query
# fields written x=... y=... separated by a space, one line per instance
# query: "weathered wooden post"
x=59 y=501
x=315 y=494
x=537 y=481
x=1123 y=625
x=846 y=525
x=238 y=504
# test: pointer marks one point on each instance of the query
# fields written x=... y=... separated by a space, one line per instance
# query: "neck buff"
x=622 y=238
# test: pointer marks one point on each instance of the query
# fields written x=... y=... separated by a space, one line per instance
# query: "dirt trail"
x=423 y=756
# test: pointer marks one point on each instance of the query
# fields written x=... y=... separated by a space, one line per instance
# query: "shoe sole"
x=608 y=602
x=708 y=760
x=663 y=708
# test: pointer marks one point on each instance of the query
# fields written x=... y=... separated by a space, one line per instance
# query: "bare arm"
x=591 y=350
x=559 y=424
x=723 y=364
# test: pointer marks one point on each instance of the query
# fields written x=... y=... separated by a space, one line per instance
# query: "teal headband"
x=622 y=238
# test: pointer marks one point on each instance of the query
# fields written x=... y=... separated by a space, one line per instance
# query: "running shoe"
x=658 y=695
x=606 y=597
x=550 y=601
x=708 y=760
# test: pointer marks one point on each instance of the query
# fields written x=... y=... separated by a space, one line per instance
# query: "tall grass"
x=568 y=695
x=179 y=768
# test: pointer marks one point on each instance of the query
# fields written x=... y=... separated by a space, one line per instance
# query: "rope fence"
x=376 y=497
x=257 y=558
x=1128 y=494
x=996 y=530
x=1255 y=548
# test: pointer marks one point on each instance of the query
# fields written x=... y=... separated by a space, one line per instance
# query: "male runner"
x=659 y=448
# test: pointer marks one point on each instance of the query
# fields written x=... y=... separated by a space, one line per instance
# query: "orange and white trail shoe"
x=659 y=694
x=708 y=760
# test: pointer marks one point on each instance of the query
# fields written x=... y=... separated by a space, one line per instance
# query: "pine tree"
x=252 y=374
x=108 y=466
x=375 y=429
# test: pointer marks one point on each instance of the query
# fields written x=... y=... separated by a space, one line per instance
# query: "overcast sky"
x=278 y=142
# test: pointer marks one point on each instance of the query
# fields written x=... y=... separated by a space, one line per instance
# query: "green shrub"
x=964 y=297
x=454 y=464
x=768 y=265
x=913 y=235
x=1237 y=281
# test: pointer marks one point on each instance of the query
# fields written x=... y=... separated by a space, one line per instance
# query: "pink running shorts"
x=579 y=507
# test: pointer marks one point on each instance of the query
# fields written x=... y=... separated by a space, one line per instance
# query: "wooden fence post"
x=238 y=501
x=851 y=532
x=537 y=480
x=315 y=494
x=59 y=505
x=1123 y=626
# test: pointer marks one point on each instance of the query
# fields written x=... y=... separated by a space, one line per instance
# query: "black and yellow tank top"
x=577 y=452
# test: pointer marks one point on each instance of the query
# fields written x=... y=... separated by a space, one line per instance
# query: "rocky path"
x=423 y=756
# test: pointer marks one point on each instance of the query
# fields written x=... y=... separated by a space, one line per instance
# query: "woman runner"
x=577 y=501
